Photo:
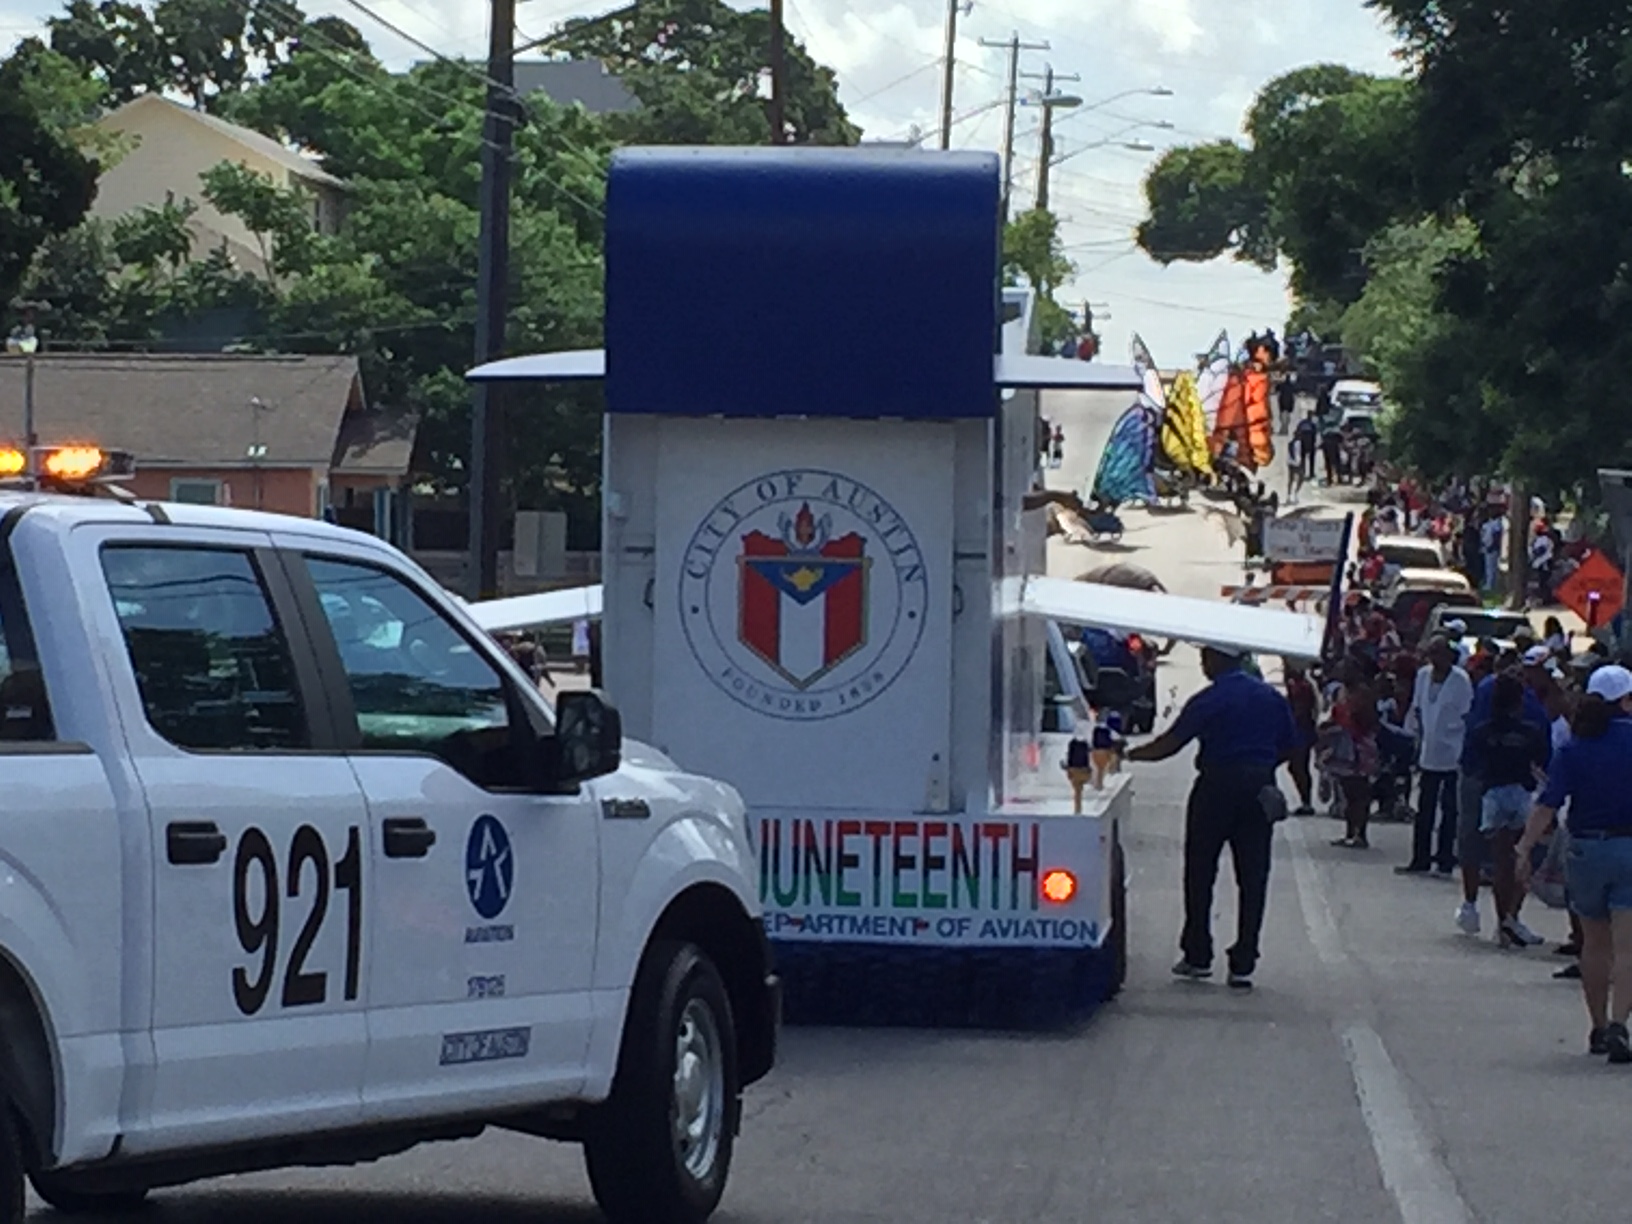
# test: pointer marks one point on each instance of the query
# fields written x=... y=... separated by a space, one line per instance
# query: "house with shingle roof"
x=291 y=434
x=168 y=148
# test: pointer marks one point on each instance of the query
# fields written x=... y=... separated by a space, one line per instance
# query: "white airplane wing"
x=1008 y=370
x=537 y=611
x=1205 y=622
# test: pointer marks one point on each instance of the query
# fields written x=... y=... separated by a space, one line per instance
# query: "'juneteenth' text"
x=902 y=864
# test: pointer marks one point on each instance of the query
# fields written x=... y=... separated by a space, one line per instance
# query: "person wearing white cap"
x=1457 y=631
x=1593 y=772
x=1245 y=729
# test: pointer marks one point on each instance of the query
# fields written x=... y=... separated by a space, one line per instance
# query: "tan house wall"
x=169 y=153
x=282 y=490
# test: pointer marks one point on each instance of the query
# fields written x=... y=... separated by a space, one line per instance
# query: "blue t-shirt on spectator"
x=1595 y=775
x=1484 y=696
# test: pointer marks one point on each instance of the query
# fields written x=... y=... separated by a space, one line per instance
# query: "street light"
x=1135 y=146
x=1158 y=91
x=24 y=342
x=255 y=452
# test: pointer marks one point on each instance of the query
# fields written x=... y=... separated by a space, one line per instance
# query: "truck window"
x=211 y=661
x=417 y=682
x=25 y=715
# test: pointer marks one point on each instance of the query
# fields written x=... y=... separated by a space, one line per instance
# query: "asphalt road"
x=1386 y=1069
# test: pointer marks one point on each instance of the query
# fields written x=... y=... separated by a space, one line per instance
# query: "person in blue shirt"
x=1510 y=752
x=1110 y=649
x=1593 y=772
x=1472 y=847
x=1245 y=731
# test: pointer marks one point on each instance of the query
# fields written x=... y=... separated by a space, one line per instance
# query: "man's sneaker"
x=1523 y=934
x=1443 y=873
x=1467 y=917
x=1617 y=1044
x=1240 y=981
x=1598 y=1041
x=1194 y=973
x=1411 y=869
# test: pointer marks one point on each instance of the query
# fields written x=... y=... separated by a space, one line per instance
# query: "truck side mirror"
x=588 y=736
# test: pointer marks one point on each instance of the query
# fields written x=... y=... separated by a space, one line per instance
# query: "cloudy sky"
x=1213 y=55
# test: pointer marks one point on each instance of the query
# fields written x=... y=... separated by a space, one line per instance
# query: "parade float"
x=823 y=568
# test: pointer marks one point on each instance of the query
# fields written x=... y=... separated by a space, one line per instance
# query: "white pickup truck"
x=299 y=869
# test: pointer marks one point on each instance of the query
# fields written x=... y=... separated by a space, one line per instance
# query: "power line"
x=468 y=69
x=900 y=80
x=387 y=84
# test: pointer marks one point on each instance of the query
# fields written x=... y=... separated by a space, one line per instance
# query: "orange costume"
x=1244 y=411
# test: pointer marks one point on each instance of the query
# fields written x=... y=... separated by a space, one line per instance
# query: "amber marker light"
x=1059 y=886
x=73 y=462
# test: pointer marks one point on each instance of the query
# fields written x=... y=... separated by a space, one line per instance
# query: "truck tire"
x=12 y=1180
x=61 y=1195
x=1119 y=919
x=659 y=1149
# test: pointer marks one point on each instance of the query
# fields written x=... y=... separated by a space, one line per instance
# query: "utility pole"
x=492 y=280
x=1048 y=78
x=949 y=67
x=779 y=75
x=1014 y=46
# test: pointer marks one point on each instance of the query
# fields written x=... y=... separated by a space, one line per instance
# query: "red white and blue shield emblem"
x=803 y=597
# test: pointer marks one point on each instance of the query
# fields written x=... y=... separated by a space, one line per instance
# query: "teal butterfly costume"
x=1127 y=468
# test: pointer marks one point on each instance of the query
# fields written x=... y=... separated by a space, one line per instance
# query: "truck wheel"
x=60 y=1194
x=11 y=1168
x=660 y=1148
x=1119 y=920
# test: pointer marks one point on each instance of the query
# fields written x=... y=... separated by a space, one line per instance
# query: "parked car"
x=1414 y=594
x=1412 y=553
x=1483 y=624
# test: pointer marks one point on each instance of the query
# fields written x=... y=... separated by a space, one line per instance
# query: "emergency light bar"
x=65 y=466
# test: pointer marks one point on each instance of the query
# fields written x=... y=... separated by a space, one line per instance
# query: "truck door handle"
x=194 y=841
x=408 y=837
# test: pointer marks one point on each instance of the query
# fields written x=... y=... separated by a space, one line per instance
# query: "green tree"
x=204 y=49
x=118 y=41
x=1328 y=165
x=1203 y=202
x=46 y=183
x=1033 y=253
x=700 y=69
x=1523 y=123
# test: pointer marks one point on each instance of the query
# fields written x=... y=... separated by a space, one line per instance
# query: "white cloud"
x=1213 y=55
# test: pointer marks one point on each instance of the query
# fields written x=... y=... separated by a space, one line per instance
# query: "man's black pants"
x=1224 y=810
x=1437 y=790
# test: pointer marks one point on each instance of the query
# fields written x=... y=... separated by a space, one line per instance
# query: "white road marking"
x=1317 y=911
x=1422 y=1187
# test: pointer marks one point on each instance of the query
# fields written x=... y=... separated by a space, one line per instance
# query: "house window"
x=192 y=492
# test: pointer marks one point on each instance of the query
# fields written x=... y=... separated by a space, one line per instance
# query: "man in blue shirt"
x=1245 y=730
x=1472 y=850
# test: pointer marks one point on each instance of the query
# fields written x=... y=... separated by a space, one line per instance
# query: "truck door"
x=261 y=842
x=486 y=896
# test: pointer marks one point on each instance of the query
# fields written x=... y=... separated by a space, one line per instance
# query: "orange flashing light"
x=73 y=462
x=12 y=462
x=1059 y=886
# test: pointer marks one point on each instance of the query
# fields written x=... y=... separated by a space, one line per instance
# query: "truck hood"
x=647 y=757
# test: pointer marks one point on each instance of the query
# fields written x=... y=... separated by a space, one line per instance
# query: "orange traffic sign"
x=1595 y=592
